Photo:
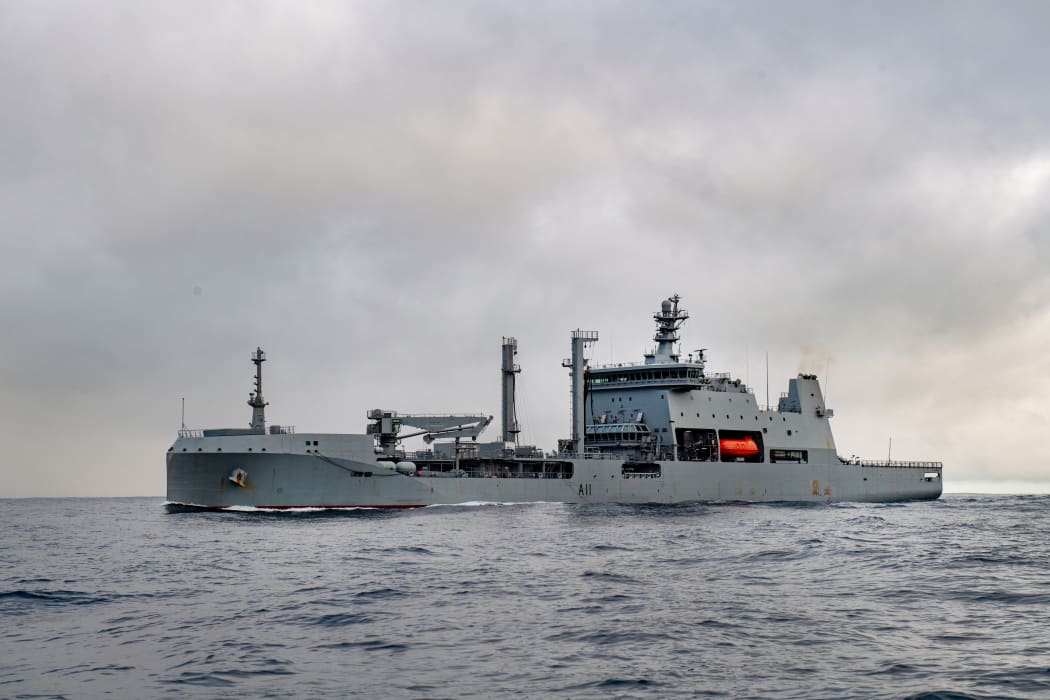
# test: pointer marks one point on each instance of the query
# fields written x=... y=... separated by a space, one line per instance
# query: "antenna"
x=827 y=380
x=889 y=451
x=767 y=380
x=183 y=412
x=747 y=367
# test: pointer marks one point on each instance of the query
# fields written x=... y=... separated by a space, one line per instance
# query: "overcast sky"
x=376 y=193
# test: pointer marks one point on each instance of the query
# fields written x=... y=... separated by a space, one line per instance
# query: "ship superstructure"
x=662 y=430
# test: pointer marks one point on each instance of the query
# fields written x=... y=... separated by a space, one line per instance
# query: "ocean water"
x=124 y=598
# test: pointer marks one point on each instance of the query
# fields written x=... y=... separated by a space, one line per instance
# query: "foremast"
x=255 y=399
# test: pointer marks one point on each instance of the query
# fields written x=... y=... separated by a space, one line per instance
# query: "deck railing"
x=908 y=465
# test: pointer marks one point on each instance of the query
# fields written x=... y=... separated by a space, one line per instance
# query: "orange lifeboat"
x=738 y=447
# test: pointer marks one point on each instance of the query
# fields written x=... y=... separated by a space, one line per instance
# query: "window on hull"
x=640 y=470
x=494 y=468
x=795 y=456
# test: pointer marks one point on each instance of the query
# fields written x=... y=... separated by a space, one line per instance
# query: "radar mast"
x=668 y=320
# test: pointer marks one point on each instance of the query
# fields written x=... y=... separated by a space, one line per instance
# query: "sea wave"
x=127 y=598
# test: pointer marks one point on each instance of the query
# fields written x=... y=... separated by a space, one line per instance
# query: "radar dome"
x=666 y=306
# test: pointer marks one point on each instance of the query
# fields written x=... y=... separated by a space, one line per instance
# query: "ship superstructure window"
x=678 y=374
x=795 y=456
x=617 y=434
x=696 y=445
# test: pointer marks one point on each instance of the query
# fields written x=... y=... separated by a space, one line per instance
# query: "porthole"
x=789 y=431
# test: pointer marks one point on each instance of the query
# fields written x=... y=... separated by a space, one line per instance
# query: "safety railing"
x=891 y=463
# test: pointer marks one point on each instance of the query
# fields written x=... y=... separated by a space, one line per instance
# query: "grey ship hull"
x=660 y=431
x=296 y=480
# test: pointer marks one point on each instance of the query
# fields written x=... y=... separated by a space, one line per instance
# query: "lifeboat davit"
x=738 y=447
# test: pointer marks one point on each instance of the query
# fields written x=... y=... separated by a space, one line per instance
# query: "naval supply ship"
x=662 y=430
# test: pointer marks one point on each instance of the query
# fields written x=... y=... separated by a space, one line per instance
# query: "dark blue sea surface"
x=126 y=598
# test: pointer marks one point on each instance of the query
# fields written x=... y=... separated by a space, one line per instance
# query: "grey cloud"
x=377 y=192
